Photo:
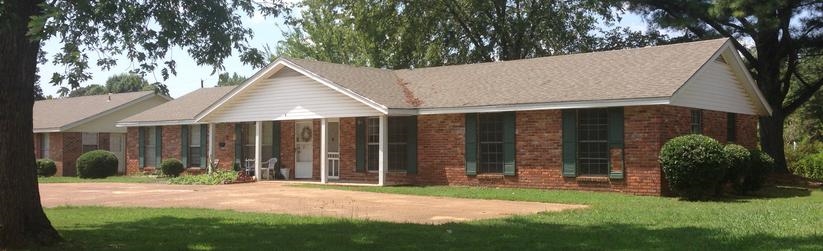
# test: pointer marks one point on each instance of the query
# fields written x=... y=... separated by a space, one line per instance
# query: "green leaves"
x=404 y=34
x=145 y=31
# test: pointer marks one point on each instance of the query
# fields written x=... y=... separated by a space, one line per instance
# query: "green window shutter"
x=471 y=143
x=184 y=145
x=509 y=149
x=731 y=127
x=616 y=135
x=569 y=143
x=141 y=147
x=411 y=144
x=238 y=143
x=159 y=149
x=360 y=147
x=204 y=145
x=275 y=139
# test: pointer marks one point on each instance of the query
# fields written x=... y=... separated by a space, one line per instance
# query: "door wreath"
x=305 y=134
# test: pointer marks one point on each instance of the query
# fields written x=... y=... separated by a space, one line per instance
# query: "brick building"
x=65 y=128
x=593 y=121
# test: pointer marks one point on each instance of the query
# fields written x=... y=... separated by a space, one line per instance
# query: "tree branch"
x=804 y=94
x=472 y=36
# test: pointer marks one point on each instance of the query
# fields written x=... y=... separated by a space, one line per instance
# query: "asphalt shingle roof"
x=182 y=108
x=58 y=113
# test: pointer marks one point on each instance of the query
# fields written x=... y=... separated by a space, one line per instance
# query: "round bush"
x=810 y=166
x=739 y=160
x=760 y=166
x=46 y=167
x=171 y=167
x=693 y=165
x=96 y=164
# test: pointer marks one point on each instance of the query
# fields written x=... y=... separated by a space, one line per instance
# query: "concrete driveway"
x=273 y=197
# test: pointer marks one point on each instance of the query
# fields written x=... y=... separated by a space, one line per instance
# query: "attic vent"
x=720 y=60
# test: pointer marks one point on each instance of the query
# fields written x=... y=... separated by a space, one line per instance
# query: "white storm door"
x=304 y=151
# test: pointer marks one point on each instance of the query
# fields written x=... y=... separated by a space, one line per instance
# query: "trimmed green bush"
x=96 y=165
x=810 y=167
x=215 y=178
x=171 y=167
x=693 y=165
x=739 y=160
x=46 y=167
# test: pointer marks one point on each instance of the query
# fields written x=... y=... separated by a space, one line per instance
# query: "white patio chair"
x=269 y=171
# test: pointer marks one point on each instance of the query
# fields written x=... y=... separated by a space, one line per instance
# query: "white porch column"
x=258 y=148
x=324 y=150
x=384 y=153
x=210 y=158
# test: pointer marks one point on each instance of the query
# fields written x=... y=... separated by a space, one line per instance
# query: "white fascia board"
x=45 y=130
x=158 y=123
x=548 y=106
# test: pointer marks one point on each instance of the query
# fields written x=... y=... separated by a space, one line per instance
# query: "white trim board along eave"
x=275 y=67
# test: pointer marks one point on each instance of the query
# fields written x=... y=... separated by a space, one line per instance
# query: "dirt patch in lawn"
x=272 y=197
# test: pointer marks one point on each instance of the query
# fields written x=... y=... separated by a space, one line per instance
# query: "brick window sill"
x=592 y=179
x=490 y=176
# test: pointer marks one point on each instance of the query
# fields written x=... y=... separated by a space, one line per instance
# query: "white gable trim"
x=275 y=67
x=730 y=55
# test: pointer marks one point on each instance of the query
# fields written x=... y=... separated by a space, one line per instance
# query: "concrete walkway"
x=272 y=197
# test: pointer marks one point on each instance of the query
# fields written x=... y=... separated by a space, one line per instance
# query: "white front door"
x=117 y=145
x=304 y=151
x=333 y=143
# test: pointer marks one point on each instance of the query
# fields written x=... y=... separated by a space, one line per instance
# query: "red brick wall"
x=224 y=135
x=72 y=144
x=747 y=134
x=171 y=142
x=287 y=146
x=714 y=125
x=132 y=154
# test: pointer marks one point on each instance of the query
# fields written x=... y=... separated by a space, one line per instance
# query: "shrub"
x=46 y=167
x=171 y=167
x=739 y=160
x=810 y=167
x=693 y=165
x=761 y=165
x=96 y=164
x=236 y=167
x=214 y=178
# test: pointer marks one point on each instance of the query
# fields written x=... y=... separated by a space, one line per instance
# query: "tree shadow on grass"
x=295 y=233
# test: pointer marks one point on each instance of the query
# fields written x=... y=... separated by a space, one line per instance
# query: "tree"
x=403 y=34
x=120 y=83
x=143 y=31
x=225 y=80
x=787 y=36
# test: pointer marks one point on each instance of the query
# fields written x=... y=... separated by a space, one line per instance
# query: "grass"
x=120 y=179
x=784 y=219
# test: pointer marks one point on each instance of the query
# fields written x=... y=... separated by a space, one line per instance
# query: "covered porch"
x=291 y=122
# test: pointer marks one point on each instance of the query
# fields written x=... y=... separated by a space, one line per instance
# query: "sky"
x=267 y=31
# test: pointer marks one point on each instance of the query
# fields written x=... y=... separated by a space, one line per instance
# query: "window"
x=593 y=141
x=44 y=146
x=89 y=141
x=372 y=144
x=248 y=132
x=697 y=121
x=150 y=137
x=731 y=127
x=490 y=142
x=196 y=145
x=398 y=135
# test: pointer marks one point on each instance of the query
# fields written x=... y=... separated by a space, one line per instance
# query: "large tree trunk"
x=771 y=139
x=22 y=220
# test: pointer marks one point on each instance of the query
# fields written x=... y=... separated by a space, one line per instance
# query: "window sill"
x=593 y=179
x=490 y=176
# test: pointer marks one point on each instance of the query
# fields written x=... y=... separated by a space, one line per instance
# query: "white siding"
x=288 y=96
x=716 y=87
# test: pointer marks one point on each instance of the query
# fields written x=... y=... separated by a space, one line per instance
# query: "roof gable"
x=63 y=114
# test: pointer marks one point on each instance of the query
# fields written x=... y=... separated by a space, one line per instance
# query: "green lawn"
x=121 y=179
x=788 y=219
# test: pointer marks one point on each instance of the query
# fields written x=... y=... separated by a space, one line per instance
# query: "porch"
x=351 y=151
